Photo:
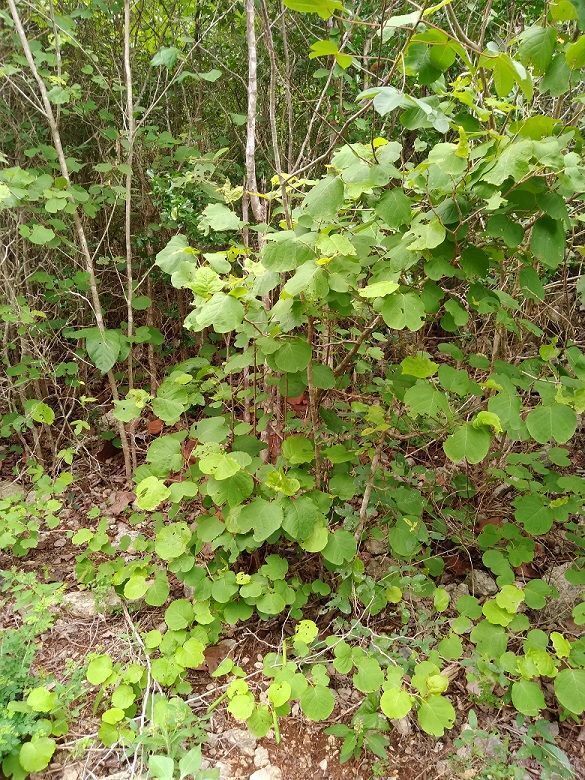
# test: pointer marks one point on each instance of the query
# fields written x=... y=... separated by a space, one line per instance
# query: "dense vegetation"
x=309 y=273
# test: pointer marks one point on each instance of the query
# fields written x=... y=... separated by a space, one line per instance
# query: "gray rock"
x=456 y=590
x=83 y=604
x=267 y=773
x=402 y=727
x=261 y=758
x=9 y=489
x=242 y=740
x=482 y=584
x=377 y=546
x=225 y=771
x=559 y=610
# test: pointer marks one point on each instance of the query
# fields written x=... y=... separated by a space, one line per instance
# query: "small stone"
x=402 y=726
x=261 y=758
x=267 y=773
x=456 y=590
x=225 y=771
x=83 y=603
x=9 y=489
x=482 y=584
x=377 y=546
x=242 y=740
x=71 y=773
x=323 y=765
x=559 y=610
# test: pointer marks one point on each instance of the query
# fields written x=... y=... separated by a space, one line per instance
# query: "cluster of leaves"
x=34 y=712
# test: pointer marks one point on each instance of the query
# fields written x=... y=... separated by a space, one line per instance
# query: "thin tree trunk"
x=81 y=237
x=131 y=127
x=251 y=183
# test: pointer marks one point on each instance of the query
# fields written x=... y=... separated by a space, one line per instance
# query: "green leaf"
x=378 y=289
x=509 y=598
x=172 y=541
x=551 y=421
x=317 y=703
x=165 y=57
x=424 y=399
x=39 y=412
x=175 y=252
x=325 y=8
x=419 y=365
x=403 y=310
x=40 y=235
x=212 y=429
x=575 y=53
x=306 y=631
x=218 y=217
x=293 y=355
x=179 y=614
x=441 y=599
x=161 y=767
x=394 y=208
x=537 y=45
x=151 y=492
x=528 y=698
x=34 y=756
x=298 y=449
x=190 y=655
x=341 y=547
x=224 y=312
x=467 y=443
x=99 y=669
x=396 y=703
x=427 y=235
x=435 y=715
x=190 y=763
x=103 y=348
x=279 y=693
x=533 y=511
x=41 y=699
x=325 y=199
x=547 y=241
x=369 y=676
x=570 y=690
x=268 y=518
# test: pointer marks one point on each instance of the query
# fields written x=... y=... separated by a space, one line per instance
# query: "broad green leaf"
x=551 y=421
x=467 y=443
x=293 y=355
x=179 y=614
x=528 y=698
x=325 y=8
x=435 y=715
x=35 y=755
x=151 y=492
x=340 y=548
x=369 y=676
x=394 y=208
x=403 y=310
x=419 y=365
x=547 y=241
x=99 y=669
x=570 y=690
x=172 y=541
x=103 y=348
x=317 y=703
x=165 y=57
x=41 y=699
x=176 y=252
x=325 y=199
x=40 y=235
x=298 y=449
x=218 y=217
x=396 y=703
x=378 y=289
x=537 y=45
